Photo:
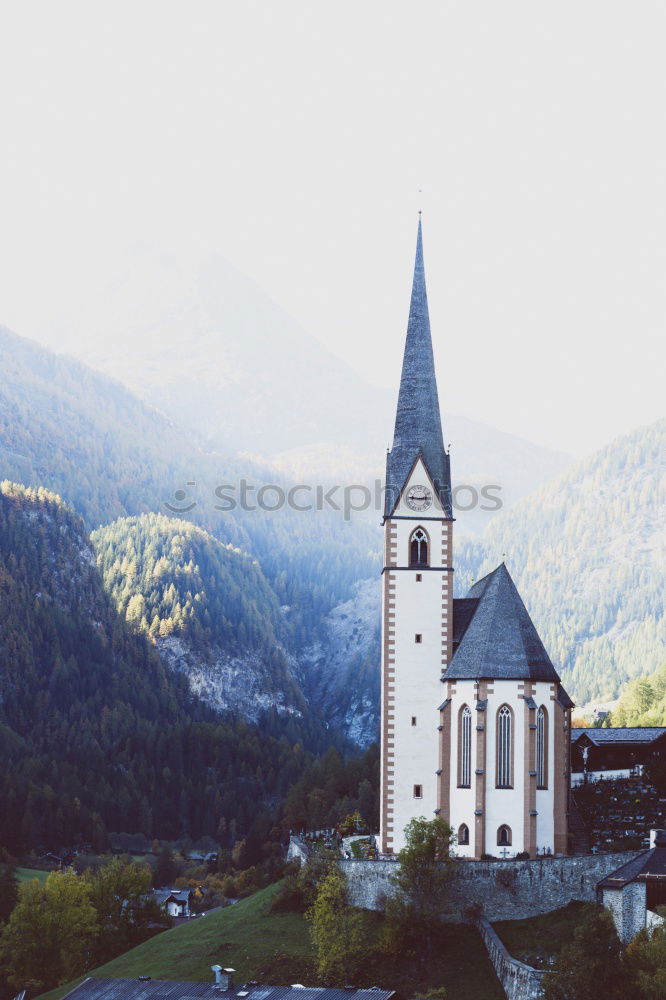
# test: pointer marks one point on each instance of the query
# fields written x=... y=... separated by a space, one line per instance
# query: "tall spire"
x=418 y=425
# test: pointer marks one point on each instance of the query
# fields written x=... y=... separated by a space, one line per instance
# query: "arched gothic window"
x=465 y=747
x=418 y=548
x=542 y=748
x=504 y=747
x=504 y=836
x=463 y=834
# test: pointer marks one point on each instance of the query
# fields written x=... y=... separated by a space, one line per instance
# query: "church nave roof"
x=495 y=636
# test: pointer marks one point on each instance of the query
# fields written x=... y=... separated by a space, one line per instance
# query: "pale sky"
x=293 y=137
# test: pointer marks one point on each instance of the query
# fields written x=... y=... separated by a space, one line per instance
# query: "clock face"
x=419 y=498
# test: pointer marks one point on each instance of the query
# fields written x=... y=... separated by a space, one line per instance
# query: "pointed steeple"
x=418 y=425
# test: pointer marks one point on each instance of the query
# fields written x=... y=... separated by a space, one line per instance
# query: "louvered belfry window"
x=504 y=747
x=418 y=548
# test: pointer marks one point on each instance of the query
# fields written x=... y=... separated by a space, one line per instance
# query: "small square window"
x=413 y=720
x=418 y=791
x=418 y=637
x=419 y=577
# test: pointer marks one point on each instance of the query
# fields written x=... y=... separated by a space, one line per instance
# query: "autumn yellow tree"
x=336 y=930
x=51 y=933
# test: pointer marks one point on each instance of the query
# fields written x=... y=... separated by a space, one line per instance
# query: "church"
x=475 y=722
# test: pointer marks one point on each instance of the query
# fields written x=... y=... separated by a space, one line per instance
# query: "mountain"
x=204 y=344
x=72 y=430
x=87 y=438
x=97 y=734
x=208 y=608
x=583 y=549
x=339 y=672
x=114 y=459
x=587 y=553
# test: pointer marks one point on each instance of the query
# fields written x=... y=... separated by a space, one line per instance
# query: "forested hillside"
x=583 y=549
x=587 y=554
x=643 y=702
x=87 y=438
x=96 y=733
x=208 y=608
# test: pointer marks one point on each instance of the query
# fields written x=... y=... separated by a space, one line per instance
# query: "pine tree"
x=9 y=891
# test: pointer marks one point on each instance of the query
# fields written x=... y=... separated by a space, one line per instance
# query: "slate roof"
x=639 y=735
x=463 y=612
x=647 y=867
x=418 y=424
x=496 y=636
x=160 y=989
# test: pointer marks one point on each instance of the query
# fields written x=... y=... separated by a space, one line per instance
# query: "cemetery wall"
x=519 y=981
x=501 y=890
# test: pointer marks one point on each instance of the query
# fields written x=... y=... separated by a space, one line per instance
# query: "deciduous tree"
x=50 y=935
x=337 y=930
x=590 y=967
x=422 y=886
x=645 y=960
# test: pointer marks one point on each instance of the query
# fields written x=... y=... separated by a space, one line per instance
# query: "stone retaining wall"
x=519 y=981
x=504 y=890
x=627 y=908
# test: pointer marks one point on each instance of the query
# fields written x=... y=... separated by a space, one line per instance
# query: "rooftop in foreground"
x=152 y=989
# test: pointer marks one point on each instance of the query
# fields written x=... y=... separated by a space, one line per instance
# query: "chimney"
x=224 y=978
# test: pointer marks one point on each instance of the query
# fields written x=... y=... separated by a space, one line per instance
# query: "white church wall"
x=463 y=800
x=505 y=805
x=545 y=798
x=417 y=690
x=502 y=805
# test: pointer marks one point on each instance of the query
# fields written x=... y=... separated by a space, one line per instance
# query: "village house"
x=176 y=902
x=633 y=892
x=614 y=753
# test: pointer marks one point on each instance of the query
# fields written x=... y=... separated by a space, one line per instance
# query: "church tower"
x=475 y=722
x=417 y=589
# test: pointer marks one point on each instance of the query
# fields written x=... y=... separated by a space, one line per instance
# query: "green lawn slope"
x=275 y=948
x=26 y=874
x=538 y=940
